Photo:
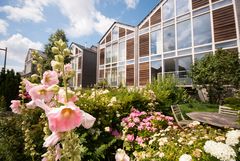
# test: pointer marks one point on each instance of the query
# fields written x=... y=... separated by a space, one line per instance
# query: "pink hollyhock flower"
x=28 y=85
x=121 y=155
x=61 y=97
x=31 y=105
x=15 y=106
x=41 y=92
x=88 y=120
x=68 y=68
x=50 y=78
x=52 y=139
x=64 y=118
x=41 y=104
x=139 y=140
x=130 y=137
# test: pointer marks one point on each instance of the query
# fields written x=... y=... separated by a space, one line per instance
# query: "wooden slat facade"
x=144 y=45
x=145 y=25
x=130 y=49
x=101 y=74
x=130 y=75
x=129 y=32
x=224 y=24
x=199 y=3
x=102 y=56
x=108 y=38
x=156 y=17
x=122 y=32
x=143 y=73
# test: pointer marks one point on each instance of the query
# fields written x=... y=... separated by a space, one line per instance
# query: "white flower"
x=190 y=142
x=220 y=150
x=185 y=157
x=233 y=137
x=121 y=155
x=162 y=141
x=107 y=129
x=193 y=124
x=112 y=101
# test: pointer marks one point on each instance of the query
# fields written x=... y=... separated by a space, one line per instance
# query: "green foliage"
x=232 y=102
x=3 y=105
x=59 y=34
x=9 y=86
x=217 y=73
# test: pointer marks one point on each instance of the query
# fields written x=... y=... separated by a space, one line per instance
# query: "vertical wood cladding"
x=80 y=63
x=143 y=73
x=144 y=45
x=129 y=32
x=101 y=74
x=145 y=25
x=199 y=3
x=130 y=49
x=156 y=17
x=121 y=32
x=130 y=75
x=102 y=56
x=108 y=38
x=224 y=24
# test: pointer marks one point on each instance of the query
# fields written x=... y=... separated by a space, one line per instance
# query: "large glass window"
x=108 y=54
x=114 y=53
x=155 y=42
x=156 y=69
x=121 y=51
x=168 y=10
x=169 y=65
x=115 y=33
x=121 y=75
x=184 y=36
x=114 y=77
x=108 y=75
x=169 y=38
x=202 y=30
x=182 y=6
x=184 y=64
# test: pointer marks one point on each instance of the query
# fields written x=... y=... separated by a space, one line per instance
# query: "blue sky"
x=28 y=23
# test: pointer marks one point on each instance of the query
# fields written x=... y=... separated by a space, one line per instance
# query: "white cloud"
x=84 y=18
x=27 y=10
x=131 y=3
x=3 y=27
x=18 y=46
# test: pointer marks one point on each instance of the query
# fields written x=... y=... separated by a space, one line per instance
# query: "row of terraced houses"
x=167 y=41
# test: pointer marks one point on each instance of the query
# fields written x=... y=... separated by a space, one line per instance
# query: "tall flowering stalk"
x=57 y=102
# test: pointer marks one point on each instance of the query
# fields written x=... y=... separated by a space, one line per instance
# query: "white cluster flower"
x=121 y=155
x=220 y=150
x=162 y=141
x=107 y=129
x=193 y=124
x=112 y=101
x=233 y=137
x=185 y=157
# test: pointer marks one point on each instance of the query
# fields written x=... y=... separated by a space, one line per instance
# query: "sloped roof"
x=82 y=47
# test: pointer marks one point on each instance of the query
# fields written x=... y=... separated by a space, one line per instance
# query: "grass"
x=198 y=107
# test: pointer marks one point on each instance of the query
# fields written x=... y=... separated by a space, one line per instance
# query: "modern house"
x=84 y=62
x=29 y=67
x=168 y=40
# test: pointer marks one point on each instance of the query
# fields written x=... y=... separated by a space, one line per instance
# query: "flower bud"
x=59 y=58
x=34 y=76
x=63 y=45
x=66 y=52
x=53 y=88
x=34 y=62
x=55 y=50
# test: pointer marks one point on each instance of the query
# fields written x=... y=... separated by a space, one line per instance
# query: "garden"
x=50 y=121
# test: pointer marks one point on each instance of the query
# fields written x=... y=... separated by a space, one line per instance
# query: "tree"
x=9 y=86
x=59 y=34
x=217 y=74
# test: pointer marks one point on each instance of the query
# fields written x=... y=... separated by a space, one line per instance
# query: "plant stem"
x=65 y=83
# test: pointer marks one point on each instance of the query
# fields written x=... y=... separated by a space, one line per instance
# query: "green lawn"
x=195 y=107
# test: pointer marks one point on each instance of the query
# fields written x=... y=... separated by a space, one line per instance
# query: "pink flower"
x=88 y=120
x=130 y=137
x=139 y=140
x=58 y=152
x=121 y=156
x=61 y=97
x=52 y=139
x=28 y=85
x=131 y=124
x=15 y=106
x=64 y=118
x=40 y=92
x=68 y=68
x=31 y=105
x=136 y=120
x=50 y=78
x=116 y=133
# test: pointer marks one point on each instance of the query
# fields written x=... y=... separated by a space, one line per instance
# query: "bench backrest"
x=177 y=113
x=227 y=111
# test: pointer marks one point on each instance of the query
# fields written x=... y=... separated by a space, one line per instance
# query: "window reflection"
x=114 y=77
x=202 y=29
x=121 y=51
x=108 y=76
x=169 y=38
x=155 y=42
x=156 y=69
x=108 y=54
x=168 y=10
x=184 y=63
x=115 y=33
x=182 y=6
x=184 y=36
x=121 y=76
x=114 y=53
x=169 y=65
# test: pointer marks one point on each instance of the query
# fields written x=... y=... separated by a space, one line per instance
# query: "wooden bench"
x=228 y=111
x=181 y=121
